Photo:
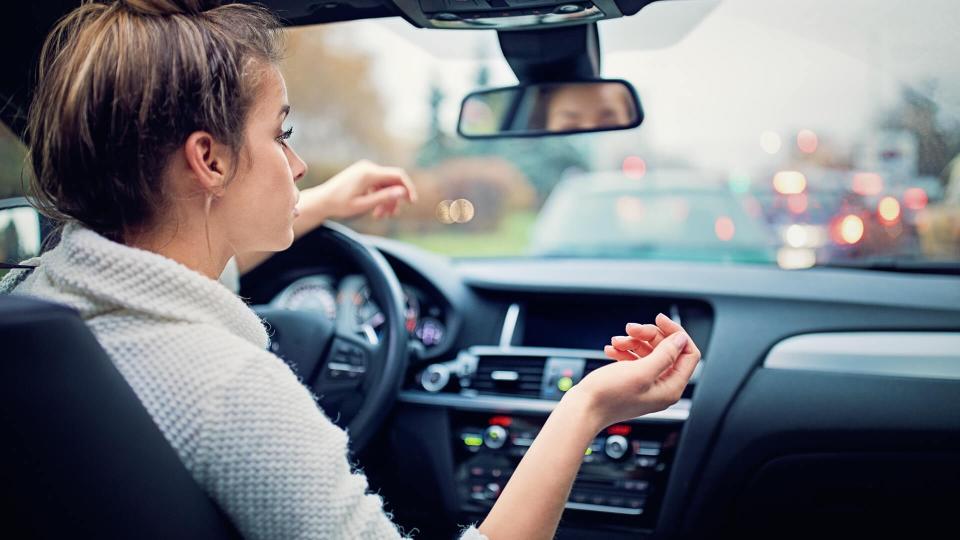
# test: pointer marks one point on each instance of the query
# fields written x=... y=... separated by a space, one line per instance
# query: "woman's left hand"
x=360 y=188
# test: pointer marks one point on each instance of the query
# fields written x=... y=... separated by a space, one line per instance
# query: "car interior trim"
x=677 y=412
x=604 y=508
x=931 y=355
x=486 y=350
x=509 y=326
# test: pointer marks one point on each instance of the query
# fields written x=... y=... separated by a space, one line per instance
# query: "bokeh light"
x=889 y=209
x=770 y=142
x=851 y=229
x=795 y=259
x=461 y=211
x=634 y=167
x=807 y=141
x=796 y=236
x=915 y=198
x=789 y=182
x=724 y=228
x=443 y=212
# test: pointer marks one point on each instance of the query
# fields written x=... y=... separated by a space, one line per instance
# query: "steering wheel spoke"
x=346 y=364
x=355 y=381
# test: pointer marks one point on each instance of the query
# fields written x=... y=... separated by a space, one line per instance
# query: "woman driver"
x=156 y=137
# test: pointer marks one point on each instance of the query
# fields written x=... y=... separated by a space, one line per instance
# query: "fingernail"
x=634 y=325
x=680 y=340
x=397 y=191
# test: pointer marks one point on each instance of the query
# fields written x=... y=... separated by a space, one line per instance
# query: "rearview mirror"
x=555 y=108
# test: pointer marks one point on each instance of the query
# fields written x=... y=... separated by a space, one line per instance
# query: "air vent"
x=509 y=375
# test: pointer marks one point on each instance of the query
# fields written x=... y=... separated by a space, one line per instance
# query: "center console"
x=499 y=397
x=622 y=476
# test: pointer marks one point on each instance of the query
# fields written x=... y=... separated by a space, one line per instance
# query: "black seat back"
x=80 y=457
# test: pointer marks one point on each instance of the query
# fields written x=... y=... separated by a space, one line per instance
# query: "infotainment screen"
x=582 y=322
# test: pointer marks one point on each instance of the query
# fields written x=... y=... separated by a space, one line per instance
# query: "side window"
x=13 y=179
x=19 y=228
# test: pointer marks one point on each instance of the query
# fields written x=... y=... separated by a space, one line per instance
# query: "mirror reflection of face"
x=576 y=107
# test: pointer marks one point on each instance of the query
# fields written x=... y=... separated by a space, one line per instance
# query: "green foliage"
x=12 y=153
x=509 y=239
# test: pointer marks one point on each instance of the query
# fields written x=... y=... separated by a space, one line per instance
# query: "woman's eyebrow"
x=284 y=111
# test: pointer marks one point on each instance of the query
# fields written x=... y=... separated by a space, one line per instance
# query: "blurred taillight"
x=915 y=198
x=889 y=210
x=789 y=182
x=724 y=228
x=634 y=167
x=847 y=230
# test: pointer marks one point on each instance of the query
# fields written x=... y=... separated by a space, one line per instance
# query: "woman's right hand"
x=632 y=386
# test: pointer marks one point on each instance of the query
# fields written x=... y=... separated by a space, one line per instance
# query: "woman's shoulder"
x=191 y=348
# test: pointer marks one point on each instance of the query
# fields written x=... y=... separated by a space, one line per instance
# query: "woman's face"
x=257 y=208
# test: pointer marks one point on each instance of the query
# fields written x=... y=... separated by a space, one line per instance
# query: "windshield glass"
x=777 y=132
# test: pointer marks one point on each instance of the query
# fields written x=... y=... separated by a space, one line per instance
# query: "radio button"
x=495 y=437
x=615 y=446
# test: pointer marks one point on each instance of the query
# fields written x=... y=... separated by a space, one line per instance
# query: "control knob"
x=495 y=437
x=615 y=446
x=435 y=377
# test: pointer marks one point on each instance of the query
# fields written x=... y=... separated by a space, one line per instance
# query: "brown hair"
x=121 y=87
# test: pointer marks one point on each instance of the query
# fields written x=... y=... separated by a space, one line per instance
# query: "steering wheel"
x=354 y=381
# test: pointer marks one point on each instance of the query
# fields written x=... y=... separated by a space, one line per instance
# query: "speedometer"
x=368 y=315
x=313 y=293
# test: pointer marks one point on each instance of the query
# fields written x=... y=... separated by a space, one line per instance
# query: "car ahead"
x=821 y=218
x=680 y=214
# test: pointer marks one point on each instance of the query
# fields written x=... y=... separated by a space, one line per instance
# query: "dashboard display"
x=368 y=314
x=349 y=301
x=313 y=293
x=430 y=331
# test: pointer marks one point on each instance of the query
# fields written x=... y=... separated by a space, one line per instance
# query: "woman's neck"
x=189 y=247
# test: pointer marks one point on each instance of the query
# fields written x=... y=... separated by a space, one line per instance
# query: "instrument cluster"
x=349 y=303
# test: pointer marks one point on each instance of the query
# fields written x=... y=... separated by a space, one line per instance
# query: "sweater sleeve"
x=278 y=466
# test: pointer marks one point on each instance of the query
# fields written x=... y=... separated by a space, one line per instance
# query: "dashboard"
x=346 y=300
x=824 y=394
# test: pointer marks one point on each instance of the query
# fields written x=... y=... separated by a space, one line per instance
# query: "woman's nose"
x=297 y=166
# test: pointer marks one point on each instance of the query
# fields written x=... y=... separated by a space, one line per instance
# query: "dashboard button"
x=435 y=377
x=495 y=437
x=615 y=446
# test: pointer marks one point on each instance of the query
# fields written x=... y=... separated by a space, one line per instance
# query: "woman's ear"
x=208 y=160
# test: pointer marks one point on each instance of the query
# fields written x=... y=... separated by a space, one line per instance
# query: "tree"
x=338 y=111
x=937 y=143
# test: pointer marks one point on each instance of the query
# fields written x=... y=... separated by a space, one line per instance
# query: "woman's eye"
x=284 y=136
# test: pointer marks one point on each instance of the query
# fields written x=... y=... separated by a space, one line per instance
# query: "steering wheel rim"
x=298 y=335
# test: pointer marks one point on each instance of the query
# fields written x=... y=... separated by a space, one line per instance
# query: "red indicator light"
x=619 y=429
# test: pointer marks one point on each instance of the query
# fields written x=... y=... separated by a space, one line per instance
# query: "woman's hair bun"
x=168 y=7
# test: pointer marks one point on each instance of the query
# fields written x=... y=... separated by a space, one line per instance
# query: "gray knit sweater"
x=239 y=419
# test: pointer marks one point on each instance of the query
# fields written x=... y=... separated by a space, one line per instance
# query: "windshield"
x=777 y=132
